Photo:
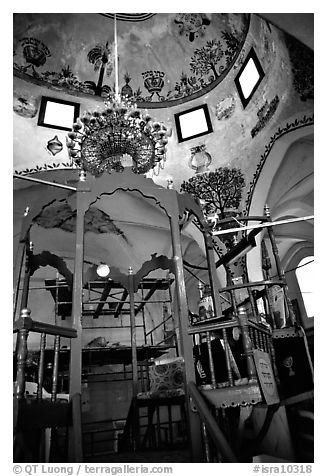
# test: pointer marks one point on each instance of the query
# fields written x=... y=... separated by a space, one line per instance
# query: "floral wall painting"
x=25 y=106
x=302 y=60
x=35 y=53
x=79 y=57
x=225 y=108
x=264 y=114
x=185 y=86
x=192 y=25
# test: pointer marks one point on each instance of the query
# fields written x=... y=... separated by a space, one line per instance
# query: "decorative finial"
x=24 y=313
x=170 y=184
x=201 y=288
x=266 y=210
x=82 y=175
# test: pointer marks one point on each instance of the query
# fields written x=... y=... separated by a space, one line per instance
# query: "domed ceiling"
x=170 y=63
x=164 y=59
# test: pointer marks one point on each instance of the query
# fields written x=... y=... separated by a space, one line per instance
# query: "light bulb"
x=103 y=270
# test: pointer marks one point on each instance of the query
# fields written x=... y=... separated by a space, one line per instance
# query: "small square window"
x=249 y=77
x=193 y=123
x=58 y=114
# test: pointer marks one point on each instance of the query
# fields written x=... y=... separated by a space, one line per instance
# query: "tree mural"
x=100 y=57
x=206 y=58
x=219 y=191
x=232 y=44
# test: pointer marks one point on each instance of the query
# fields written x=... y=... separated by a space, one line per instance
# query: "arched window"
x=304 y=274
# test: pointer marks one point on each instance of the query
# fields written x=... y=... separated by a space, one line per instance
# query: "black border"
x=252 y=55
x=45 y=100
x=178 y=125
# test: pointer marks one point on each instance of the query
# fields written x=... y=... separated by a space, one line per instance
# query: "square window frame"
x=205 y=109
x=44 y=101
x=251 y=55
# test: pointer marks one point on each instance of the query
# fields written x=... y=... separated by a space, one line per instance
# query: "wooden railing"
x=216 y=446
x=230 y=364
x=43 y=409
x=23 y=326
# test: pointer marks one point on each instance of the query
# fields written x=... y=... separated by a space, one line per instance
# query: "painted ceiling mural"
x=164 y=58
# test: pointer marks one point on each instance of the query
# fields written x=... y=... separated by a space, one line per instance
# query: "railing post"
x=208 y=342
x=247 y=344
x=253 y=306
x=55 y=369
x=211 y=364
x=228 y=358
x=23 y=240
x=26 y=285
x=21 y=356
x=41 y=366
x=206 y=442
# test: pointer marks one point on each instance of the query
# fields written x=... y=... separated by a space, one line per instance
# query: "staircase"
x=154 y=431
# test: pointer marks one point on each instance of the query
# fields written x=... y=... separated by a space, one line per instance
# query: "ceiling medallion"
x=99 y=139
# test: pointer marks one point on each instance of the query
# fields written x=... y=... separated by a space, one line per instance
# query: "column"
x=186 y=345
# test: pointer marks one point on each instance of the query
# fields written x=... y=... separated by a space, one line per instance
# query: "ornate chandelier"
x=99 y=139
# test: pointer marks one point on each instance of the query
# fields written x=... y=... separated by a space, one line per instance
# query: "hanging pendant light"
x=99 y=139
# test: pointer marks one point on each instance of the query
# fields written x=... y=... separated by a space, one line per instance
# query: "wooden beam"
x=121 y=303
x=44 y=182
x=104 y=296
x=146 y=298
x=185 y=342
x=75 y=377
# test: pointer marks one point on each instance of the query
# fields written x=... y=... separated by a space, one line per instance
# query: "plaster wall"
x=230 y=143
